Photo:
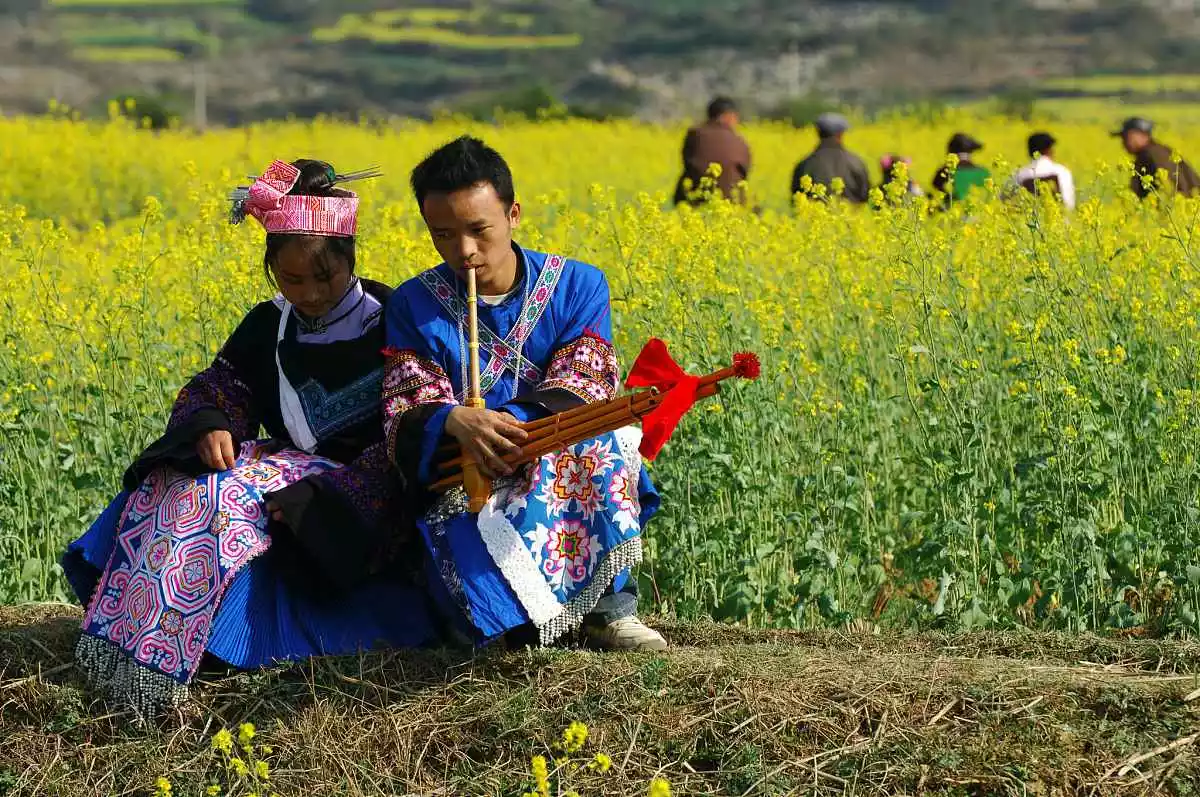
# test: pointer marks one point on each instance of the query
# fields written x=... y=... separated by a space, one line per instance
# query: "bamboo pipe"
x=577 y=433
x=534 y=427
x=537 y=428
x=474 y=399
x=478 y=486
x=626 y=405
x=710 y=379
x=630 y=407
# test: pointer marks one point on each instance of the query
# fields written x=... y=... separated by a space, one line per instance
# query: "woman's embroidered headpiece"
x=267 y=199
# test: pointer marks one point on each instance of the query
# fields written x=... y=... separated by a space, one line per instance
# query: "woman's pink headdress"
x=267 y=199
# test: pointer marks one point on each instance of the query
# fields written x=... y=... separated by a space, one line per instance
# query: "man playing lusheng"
x=553 y=547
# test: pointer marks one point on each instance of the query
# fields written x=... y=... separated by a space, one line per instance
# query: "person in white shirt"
x=1046 y=172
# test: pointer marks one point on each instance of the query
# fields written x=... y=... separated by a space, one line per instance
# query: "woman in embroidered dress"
x=552 y=549
x=259 y=550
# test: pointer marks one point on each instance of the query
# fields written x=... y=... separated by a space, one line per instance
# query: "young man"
x=716 y=141
x=831 y=160
x=1137 y=136
x=1044 y=172
x=553 y=547
x=957 y=184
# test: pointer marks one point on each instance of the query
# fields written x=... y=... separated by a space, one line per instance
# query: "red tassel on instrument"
x=655 y=368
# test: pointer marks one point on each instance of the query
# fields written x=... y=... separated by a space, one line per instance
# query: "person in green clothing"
x=956 y=183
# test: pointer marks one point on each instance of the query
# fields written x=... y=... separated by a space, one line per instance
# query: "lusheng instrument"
x=476 y=483
x=667 y=393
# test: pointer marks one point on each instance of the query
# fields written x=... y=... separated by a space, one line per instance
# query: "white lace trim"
x=508 y=551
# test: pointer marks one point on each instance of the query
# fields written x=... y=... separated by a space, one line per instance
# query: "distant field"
x=118 y=32
x=1179 y=118
x=449 y=16
x=375 y=29
x=120 y=4
x=135 y=54
x=1133 y=84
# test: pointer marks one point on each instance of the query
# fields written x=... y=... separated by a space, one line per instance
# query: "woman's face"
x=312 y=278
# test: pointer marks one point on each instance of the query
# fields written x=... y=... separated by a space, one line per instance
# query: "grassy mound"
x=727 y=711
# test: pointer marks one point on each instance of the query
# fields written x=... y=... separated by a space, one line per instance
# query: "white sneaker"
x=627 y=633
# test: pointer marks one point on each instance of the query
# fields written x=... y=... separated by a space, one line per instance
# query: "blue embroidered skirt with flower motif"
x=548 y=544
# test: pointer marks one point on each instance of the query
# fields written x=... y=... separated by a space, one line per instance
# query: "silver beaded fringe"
x=124 y=681
x=626 y=555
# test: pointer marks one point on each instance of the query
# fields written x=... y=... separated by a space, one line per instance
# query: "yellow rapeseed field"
x=983 y=418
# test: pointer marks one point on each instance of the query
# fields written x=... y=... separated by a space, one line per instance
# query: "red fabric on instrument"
x=655 y=367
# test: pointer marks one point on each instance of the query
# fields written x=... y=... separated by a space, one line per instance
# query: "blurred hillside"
x=271 y=58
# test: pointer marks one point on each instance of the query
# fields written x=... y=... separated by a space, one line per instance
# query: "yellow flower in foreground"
x=162 y=788
x=541 y=774
x=574 y=737
x=245 y=733
x=239 y=767
x=601 y=763
x=222 y=741
x=659 y=788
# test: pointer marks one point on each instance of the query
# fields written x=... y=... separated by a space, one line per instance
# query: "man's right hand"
x=215 y=450
x=486 y=436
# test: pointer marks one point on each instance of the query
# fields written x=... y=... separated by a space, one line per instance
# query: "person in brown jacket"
x=1149 y=156
x=716 y=141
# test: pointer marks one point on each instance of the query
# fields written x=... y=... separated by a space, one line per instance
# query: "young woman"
x=259 y=550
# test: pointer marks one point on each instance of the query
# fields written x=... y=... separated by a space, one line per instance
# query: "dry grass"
x=728 y=711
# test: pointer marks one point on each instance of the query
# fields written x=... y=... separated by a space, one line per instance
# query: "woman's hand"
x=486 y=436
x=275 y=511
x=215 y=450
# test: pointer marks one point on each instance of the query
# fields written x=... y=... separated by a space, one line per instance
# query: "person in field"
x=552 y=550
x=897 y=184
x=1044 y=173
x=265 y=524
x=1150 y=157
x=831 y=160
x=716 y=141
x=956 y=184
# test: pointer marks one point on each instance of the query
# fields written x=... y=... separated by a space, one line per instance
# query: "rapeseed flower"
x=222 y=741
x=659 y=788
x=914 y=361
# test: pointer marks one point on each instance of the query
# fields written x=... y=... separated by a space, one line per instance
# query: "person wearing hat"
x=1149 y=156
x=956 y=183
x=831 y=160
x=1044 y=173
x=716 y=141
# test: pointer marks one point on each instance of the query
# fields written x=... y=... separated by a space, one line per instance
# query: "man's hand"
x=215 y=450
x=486 y=436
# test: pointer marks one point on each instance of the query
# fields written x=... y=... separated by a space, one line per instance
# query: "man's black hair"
x=719 y=107
x=1040 y=144
x=464 y=162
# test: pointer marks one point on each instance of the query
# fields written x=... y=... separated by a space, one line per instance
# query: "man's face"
x=730 y=119
x=472 y=226
x=1135 y=141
